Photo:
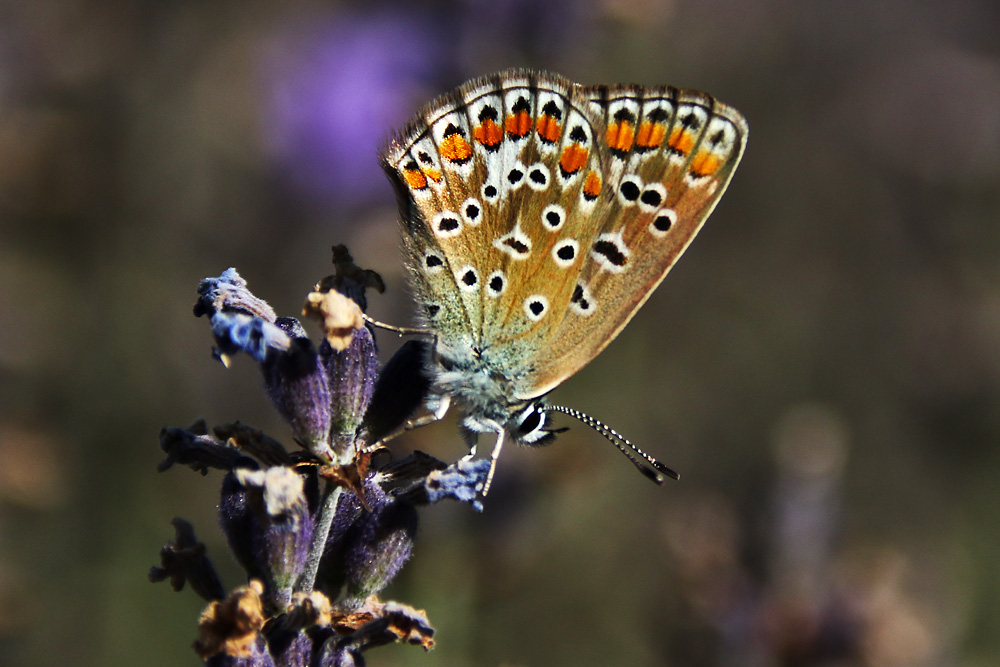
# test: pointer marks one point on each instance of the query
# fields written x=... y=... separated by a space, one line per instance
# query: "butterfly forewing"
x=485 y=197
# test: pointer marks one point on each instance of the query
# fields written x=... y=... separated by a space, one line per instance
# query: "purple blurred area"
x=333 y=87
x=822 y=366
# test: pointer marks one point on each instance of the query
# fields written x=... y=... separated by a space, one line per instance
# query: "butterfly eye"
x=530 y=426
x=529 y=422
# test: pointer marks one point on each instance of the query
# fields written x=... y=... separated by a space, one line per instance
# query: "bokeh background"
x=823 y=366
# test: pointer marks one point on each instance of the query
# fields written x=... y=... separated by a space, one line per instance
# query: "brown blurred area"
x=823 y=366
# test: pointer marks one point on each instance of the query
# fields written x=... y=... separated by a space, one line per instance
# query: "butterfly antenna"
x=622 y=443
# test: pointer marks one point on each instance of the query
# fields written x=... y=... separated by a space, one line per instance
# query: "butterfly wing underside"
x=538 y=214
x=669 y=156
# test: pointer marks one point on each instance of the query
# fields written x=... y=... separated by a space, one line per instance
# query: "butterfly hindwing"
x=669 y=157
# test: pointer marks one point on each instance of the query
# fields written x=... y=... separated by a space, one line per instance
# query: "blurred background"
x=822 y=367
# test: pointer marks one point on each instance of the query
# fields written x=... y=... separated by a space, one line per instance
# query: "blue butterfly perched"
x=538 y=215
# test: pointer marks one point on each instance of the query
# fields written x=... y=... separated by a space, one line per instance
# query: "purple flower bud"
x=239 y=525
x=293 y=651
x=383 y=545
x=281 y=527
x=256 y=656
x=364 y=554
x=297 y=384
x=351 y=374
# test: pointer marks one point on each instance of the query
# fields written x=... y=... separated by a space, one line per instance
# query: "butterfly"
x=538 y=215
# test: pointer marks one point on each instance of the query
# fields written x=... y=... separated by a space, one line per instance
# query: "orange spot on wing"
x=415 y=179
x=433 y=174
x=454 y=147
x=518 y=124
x=592 y=186
x=650 y=135
x=573 y=158
x=620 y=136
x=681 y=141
x=549 y=128
x=705 y=164
x=489 y=134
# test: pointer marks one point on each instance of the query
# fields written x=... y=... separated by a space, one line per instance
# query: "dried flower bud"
x=184 y=561
x=240 y=321
x=287 y=635
x=229 y=293
x=236 y=332
x=462 y=481
x=232 y=627
x=339 y=316
x=391 y=622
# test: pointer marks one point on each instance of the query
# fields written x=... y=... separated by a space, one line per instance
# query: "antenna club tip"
x=669 y=472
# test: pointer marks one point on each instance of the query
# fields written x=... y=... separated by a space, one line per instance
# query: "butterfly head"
x=485 y=398
x=532 y=425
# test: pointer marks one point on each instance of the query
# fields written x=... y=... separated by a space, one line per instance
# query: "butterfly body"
x=537 y=217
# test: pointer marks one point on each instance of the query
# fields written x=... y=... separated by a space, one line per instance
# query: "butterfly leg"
x=401 y=331
x=501 y=436
x=438 y=405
